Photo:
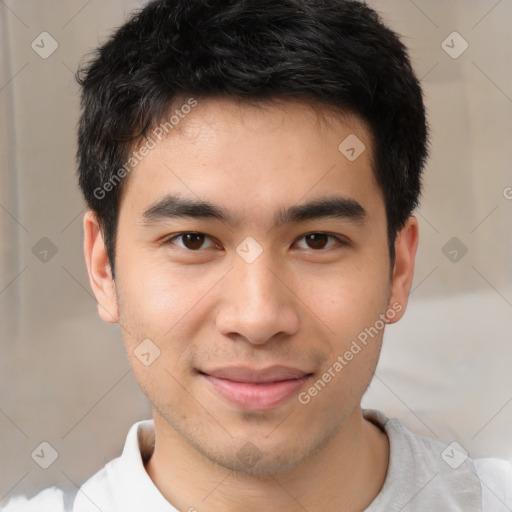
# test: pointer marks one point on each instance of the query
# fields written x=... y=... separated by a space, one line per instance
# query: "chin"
x=249 y=460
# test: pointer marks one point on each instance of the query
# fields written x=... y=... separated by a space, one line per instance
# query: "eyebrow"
x=173 y=206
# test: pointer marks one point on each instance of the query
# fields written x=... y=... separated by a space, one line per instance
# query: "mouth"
x=256 y=390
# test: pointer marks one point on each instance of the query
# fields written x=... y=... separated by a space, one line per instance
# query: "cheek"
x=158 y=295
x=347 y=299
x=353 y=311
x=168 y=306
x=156 y=306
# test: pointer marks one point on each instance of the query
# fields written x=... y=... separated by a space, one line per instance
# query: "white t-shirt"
x=423 y=475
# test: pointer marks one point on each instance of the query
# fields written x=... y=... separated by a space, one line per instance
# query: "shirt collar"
x=132 y=488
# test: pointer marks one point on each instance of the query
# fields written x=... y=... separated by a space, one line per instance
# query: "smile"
x=256 y=390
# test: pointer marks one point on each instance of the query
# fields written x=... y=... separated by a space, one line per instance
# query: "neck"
x=347 y=473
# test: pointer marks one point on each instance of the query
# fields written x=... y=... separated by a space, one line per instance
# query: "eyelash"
x=340 y=241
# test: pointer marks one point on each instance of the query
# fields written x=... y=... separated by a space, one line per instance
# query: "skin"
x=294 y=305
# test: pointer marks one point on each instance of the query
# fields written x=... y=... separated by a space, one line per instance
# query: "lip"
x=256 y=390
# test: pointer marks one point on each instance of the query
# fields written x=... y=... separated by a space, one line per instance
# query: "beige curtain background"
x=9 y=201
x=445 y=369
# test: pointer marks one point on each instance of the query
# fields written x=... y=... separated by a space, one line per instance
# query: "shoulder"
x=95 y=494
x=98 y=492
x=441 y=474
x=49 y=500
x=495 y=476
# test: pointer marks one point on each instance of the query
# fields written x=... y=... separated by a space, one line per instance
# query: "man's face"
x=255 y=308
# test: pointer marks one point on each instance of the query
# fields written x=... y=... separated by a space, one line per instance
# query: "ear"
x=406 y=244
x=100 y=272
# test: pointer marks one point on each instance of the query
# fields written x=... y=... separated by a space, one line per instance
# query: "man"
x=251 y=170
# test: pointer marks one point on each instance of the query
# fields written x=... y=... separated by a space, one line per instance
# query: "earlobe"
x=406 y=245
x=98 y=267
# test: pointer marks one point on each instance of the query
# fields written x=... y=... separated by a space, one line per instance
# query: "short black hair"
x=334 y=53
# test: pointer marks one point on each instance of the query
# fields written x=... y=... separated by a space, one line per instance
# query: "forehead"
x=255 y=155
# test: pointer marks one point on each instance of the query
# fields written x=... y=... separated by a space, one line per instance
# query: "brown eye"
x=318 y=241
x=192 y=241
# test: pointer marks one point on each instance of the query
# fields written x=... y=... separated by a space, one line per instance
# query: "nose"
x=256 y=303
